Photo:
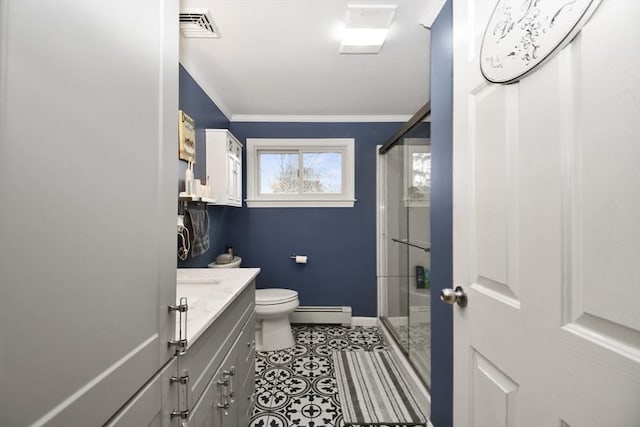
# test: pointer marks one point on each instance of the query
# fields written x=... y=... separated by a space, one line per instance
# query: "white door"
x=547 y=230
x=88 y=167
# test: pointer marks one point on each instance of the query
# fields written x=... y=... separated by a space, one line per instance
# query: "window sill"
x=341 y=203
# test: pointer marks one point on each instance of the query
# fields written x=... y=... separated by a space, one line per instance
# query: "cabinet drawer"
x=246 y=355
x=207 y=411
x=247 y=342
x=203 y=357
x=152 y=405
x=245 y=404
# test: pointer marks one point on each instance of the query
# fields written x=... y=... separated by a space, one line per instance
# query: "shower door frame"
x=381 y=246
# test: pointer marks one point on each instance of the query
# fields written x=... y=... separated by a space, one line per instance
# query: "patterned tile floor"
x=297 y=386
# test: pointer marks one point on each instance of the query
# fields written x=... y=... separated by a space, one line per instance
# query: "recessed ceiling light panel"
x=366 y=28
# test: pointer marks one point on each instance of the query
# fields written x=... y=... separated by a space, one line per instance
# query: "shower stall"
x=404 y=259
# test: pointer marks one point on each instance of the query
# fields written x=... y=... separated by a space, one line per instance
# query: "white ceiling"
x=280 y=58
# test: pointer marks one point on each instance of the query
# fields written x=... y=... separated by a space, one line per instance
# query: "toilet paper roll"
x=300 y=259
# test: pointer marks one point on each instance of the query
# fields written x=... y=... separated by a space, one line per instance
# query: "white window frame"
x=346 y=198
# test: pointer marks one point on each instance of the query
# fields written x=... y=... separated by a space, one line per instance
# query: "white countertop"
x=209 y=292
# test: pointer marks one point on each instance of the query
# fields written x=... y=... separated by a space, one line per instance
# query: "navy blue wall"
x=340 y=242
x=197 y=104
x=441 y=216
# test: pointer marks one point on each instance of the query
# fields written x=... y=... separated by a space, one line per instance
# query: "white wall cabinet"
x=84 y=285
x=224 y=166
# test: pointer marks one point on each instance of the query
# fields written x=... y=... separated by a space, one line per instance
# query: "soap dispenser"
x=188 y=179
x=229 y=249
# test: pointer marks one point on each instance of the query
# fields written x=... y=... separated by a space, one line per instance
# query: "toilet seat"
x=275 y=296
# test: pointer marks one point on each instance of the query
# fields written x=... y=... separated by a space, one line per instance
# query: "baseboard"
x=322 y=315
x=418 y=389
x=364 y=321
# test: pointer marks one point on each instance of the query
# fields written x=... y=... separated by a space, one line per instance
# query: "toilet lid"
x=275 y=296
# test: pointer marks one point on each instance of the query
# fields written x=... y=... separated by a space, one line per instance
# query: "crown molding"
x=319 y=118
x=431 y=13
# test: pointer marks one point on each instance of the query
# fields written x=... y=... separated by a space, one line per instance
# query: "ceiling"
x=280 y=58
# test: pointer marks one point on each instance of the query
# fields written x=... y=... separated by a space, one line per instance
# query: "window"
x=417 y=178
x=300 y=172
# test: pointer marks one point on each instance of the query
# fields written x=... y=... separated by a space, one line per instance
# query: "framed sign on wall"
x=521 y=35
x=186 y=137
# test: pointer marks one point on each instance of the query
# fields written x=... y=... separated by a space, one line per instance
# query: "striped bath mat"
x=372 y=391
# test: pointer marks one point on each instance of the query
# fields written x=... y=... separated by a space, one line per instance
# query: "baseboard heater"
x=322 y=314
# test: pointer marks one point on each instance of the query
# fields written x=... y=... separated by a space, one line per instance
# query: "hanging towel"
x=197 y=221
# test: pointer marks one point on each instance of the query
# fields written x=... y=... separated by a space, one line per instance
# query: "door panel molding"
x=88 y=402
x=607 y=334
x=494 y=184
x=494 y=400
x=595 y=274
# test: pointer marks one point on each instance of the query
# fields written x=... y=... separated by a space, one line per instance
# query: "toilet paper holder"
x=299 y=259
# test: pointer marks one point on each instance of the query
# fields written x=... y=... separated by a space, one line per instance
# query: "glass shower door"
x=418 y=172
x=405 y=248
x=397 y=255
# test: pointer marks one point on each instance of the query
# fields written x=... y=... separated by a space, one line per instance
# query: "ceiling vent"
x=198 y=23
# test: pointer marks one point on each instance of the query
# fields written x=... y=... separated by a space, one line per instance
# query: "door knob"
x=457 y=295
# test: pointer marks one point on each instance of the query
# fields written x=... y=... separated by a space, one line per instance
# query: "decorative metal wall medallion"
x=523 y=34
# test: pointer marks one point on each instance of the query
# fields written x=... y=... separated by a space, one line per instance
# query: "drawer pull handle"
x=181 y=380
x=230 y=373
x=181 y=343
x=225 y=407
x=183 y=415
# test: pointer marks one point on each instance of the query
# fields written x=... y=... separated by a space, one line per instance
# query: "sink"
x=197 y=281
x=233 y=264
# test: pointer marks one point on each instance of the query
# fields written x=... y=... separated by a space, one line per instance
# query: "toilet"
x=273 y=307
x=273 y=329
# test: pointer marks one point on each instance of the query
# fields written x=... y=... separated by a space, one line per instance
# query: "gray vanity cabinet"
x=220 y=365
x=216 y=407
